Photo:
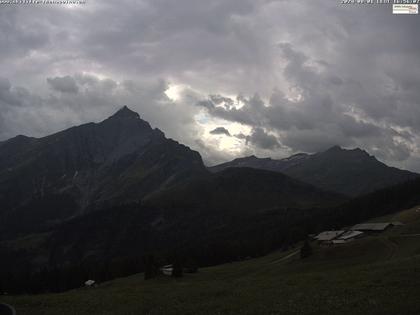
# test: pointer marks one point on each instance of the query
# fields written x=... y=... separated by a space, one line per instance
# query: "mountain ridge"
x=351 y=172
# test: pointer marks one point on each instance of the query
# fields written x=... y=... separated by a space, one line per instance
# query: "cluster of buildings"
x=355 y=232
x=90 y=284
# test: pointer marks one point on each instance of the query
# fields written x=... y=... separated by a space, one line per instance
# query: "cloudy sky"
x=229 y=78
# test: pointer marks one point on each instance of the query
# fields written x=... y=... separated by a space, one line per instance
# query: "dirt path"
x=285 y=257
x=393 y=247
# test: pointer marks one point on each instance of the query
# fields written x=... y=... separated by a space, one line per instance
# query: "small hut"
x=327 y=237
x=348 y=237
x=371 y=227
x=90 y=283
x=167 y=270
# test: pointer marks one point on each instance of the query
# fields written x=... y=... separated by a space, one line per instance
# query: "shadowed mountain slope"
x=119 y=160
x=349 y=172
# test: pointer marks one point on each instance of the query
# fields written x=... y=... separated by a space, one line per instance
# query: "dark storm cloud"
x=251 y=113
x=63 y=84
x=7 y=96
x=19 y=37
x=4 y=84
x=176 y=39
x=309 y=73
x=220 y=131
x=262 y=139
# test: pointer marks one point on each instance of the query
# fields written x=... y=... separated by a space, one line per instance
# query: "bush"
x=306 y=250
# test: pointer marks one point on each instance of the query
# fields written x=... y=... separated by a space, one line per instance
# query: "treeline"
x=376 y=204
x=59 y=279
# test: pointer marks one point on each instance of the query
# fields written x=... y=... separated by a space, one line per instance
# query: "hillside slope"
x=239 y=189
x=219 y=217
x=365 y=276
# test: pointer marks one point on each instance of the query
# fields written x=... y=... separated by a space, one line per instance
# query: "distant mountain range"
x=349 y=172
x=121 y=160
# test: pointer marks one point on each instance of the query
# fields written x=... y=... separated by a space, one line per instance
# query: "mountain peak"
x=125 y=113
x=355 y=151
x=335 y=148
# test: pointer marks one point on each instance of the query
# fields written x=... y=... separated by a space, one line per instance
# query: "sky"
x=229 y=78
